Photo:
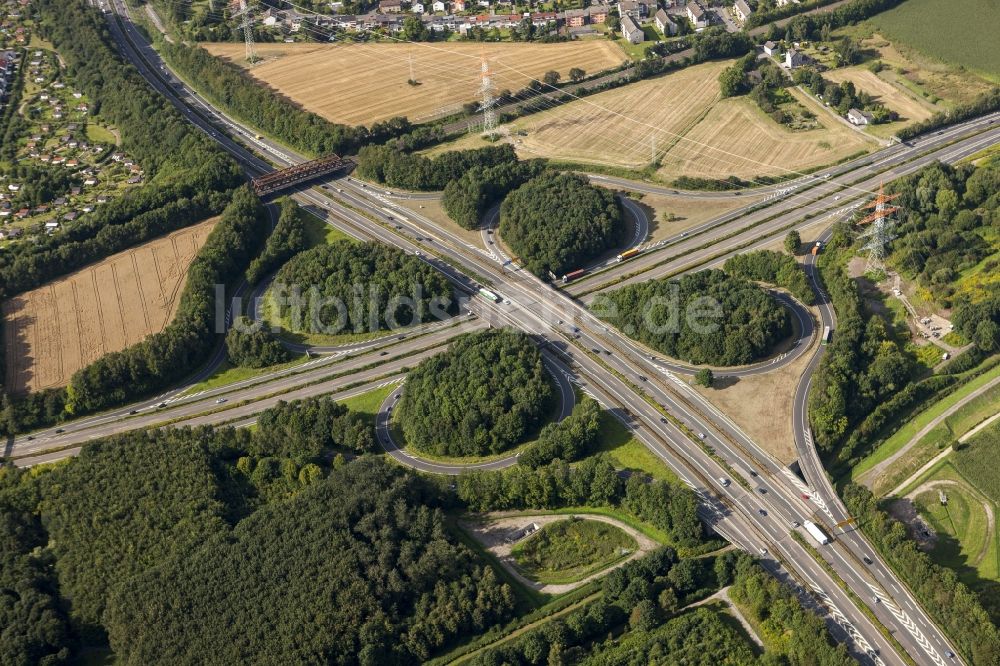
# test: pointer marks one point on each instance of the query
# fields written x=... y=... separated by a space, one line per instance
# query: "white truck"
x=816 y=533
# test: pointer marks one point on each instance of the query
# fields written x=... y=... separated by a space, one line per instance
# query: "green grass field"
x=368 y=403
x=319 y=232
x=977 y=460
x=100 y=134
x=570 y=550
x=227 y=374
x=904 y=434
x=961 y=32
x=630 y=453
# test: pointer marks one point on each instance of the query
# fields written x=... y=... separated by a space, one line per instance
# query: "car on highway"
x=876 y=599
x=220 y=401
x=949 y=654
x=383 y=353
x=30 y=438
x=762 y=551
x=663 y=419
x=161 y=405
x=867 y=559
x=643 y=378
x=701 y=435
x=397 y=396
x=724 y=481
x=133 y=411
x=60 y=430
x=401 y=337
x=762 y=491
x=762 y=512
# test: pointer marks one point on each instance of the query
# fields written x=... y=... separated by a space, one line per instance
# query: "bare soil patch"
x=54 y=330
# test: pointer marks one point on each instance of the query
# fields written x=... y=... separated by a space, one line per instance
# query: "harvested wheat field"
x=54 y=330
x=693 y=130
x=362 y=83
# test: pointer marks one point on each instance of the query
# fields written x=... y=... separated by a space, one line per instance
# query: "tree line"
x=774 y=268
x=359 y=287
x=954 y=606
x=287 y=240
x=573 y=438
x=389 y=165
x=233 y=89
x=708 y=317
x=165 y=357
x=252 y=345
x=486 y=393
x=557 y=223
x=591 y=482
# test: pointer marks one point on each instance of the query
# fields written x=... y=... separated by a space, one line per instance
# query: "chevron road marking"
x=908 y=624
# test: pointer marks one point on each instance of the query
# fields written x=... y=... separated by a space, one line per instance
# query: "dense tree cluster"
x=468 y=198
x=250 y=345
x=39 y=184
x=233 y=89
x=844 y=96
x=331 y=570
x=558 y=222
x=591 y=482
x=773 y=268
x=33 y=625
x=863 y=366
x=810 y=26
x=287 y=240
x=488 y=392
x=303 y=430
x=360 y=287
x=570 y=439
x=387 y=164
x=945 y=210
x=707 y=317
x=956 y=608
x=785 y=627
x=164 y=357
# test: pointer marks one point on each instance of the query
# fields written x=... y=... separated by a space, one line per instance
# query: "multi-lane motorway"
x=748 y=497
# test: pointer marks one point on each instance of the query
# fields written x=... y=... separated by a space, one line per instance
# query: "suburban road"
x=747 y=496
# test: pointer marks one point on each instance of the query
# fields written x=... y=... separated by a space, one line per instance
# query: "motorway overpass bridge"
x=283 y=179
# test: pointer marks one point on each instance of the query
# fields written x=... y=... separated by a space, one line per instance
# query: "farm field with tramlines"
x=54 y=330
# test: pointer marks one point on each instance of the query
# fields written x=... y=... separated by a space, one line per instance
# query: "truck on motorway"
x=569 y=277
x=826 y=335
x=816 y=533
x=628 y=254
x=489 y=295
x=817 y=247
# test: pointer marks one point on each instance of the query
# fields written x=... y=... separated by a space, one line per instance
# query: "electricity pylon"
x=247 y=25
x=881 y=223
x=488 y=99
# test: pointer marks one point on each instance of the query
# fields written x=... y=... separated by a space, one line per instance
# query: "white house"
x=794 y=59
x=665 y=24
x=438 y=6
x=631 y=31
x=417 y=8
x=696 y=15
x=770 y=48
x=742 y=10
x=858 y=117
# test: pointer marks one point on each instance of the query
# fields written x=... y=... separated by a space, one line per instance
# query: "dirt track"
x=54 y=330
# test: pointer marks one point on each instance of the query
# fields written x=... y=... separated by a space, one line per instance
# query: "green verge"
x=227 y=373
x=911 y=428
x=569 y=550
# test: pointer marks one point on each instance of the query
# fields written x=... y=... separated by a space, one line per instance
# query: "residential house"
x=741 y=10
x=12 y=233
x=697 y=15
x=858 y=117
x=51 y=226
x=417 y=8
x=598 y=13
x=794 y=59
x=665 y=24
x=634 y=8
x=458 y=6
x=770 y=48
x=630 y=31
x=438 y=6
x=390 y=6
x=576 y=18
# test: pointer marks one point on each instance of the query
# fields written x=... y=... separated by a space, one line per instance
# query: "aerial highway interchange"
x=747 y=496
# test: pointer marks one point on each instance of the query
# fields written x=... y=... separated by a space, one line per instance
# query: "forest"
x=252 y=345
x=468 y=198
x=486 y=393
x=557 y=223
x=359 y=287
x=572 y=438
x=146 y=531
x=707 y=317
x=391 y=166
x=773 y=268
